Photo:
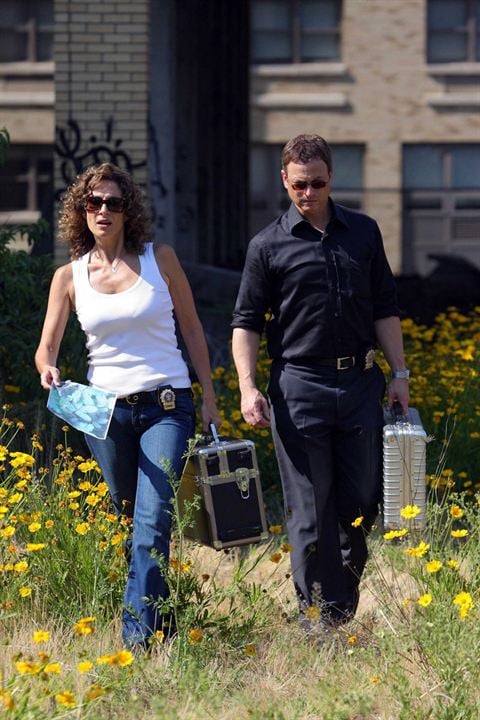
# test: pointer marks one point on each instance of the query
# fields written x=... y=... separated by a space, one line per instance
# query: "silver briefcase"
x=404 y=466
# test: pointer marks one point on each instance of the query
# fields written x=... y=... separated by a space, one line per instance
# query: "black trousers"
x=327 y=429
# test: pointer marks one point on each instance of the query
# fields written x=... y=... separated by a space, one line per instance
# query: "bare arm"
x=60 y=302
x=254 y=405
x=389 y=336
x=191 y=329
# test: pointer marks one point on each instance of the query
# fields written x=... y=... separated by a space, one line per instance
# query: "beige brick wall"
x=101 y=72
x=382 y=94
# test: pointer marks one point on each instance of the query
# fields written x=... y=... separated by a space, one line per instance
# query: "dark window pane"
x=425 y=203
x=45 y=46
x=320 y=14
x=466 y=167
x=347 y=163
x=43 y=11
x=447 y=47
x=422 y=167
x=13 y=195
x=12 y=13
x=318 y=46
x=468 y=203
x=13 y=46
x=446 y=14
x=271 y=47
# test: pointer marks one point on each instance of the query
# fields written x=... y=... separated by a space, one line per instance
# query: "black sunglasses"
x=95 y=202
x=303 y=184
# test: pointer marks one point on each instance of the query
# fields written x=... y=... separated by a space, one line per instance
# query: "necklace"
x=115 y=263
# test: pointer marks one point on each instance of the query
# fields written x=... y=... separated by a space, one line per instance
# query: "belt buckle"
x=132 y=399
x=369 y=359
x=167 y=399
x=340 y=360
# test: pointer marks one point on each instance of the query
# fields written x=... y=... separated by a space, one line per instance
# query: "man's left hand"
x=398 y=392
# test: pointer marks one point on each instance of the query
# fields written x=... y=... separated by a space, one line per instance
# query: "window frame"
x=471 y=30
x=32 y=28
x=296 y=35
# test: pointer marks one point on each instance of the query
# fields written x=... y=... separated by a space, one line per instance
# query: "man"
x=320 y=273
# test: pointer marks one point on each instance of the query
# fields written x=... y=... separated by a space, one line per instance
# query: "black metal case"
x=224 y=476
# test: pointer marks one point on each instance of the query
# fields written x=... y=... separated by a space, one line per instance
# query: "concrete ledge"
x=327 y=101
x=454 y=69
x=28 y=69
x=38 y=98
x=453 y=100
x=303 y=70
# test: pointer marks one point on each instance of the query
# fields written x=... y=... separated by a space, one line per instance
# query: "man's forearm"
x=245 y=345
x=389 y=336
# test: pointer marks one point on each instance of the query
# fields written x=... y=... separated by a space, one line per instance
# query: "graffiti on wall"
x=76 y=153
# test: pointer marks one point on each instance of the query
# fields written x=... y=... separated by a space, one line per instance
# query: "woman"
x=124 y=291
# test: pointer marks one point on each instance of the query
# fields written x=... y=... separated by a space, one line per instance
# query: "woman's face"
x=105 y=224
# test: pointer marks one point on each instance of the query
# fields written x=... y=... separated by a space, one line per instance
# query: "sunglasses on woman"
x=94 y=203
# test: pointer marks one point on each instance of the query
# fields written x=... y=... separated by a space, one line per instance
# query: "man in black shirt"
x=320 y=274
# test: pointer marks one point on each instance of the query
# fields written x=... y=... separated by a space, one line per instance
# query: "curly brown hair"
x=73 y=222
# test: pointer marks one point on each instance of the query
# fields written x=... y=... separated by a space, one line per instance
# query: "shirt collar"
x=294 y=217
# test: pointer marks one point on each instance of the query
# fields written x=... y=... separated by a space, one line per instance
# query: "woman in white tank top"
x=124 y=291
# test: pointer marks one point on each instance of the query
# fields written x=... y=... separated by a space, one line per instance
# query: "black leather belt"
x=164 y=395
x=349 y=361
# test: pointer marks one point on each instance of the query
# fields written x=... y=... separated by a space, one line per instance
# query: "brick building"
x=189 y=95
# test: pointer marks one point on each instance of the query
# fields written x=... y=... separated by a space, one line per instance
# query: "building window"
x=295 y=31
x=26 y=30
x=268 y=197
x=441 y=204
x=453 y=31
x=26 y=186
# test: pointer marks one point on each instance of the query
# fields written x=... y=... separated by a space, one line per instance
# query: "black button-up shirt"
x=316 y=294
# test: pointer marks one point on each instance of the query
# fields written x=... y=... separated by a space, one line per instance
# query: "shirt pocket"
x=357 y=278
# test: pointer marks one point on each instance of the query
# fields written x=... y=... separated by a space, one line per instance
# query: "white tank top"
x=131 y=339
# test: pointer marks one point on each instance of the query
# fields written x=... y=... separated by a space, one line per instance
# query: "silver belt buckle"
x=340 y=361
x=167 y=399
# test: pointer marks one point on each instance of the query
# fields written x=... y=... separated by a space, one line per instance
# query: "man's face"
x=300 y=180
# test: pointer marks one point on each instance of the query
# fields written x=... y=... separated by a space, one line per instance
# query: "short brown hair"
x=73 y=222
x=303 y=148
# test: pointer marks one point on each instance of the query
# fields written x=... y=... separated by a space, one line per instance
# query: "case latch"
x=242 y=478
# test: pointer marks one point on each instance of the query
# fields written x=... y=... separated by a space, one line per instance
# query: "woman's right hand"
x=50 y=376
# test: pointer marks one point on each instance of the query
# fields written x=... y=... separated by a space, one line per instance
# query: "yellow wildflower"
x=459 y=533
x=95 y=692
x=123 y=658
x=358 y=521
x=53 y=668
x=34 y=547
x=66 y=698
x=195 y=636
x=82 y=528
x=275 y=529
x=454 y=564
x=276 y=557
x=424 y=600
x=464 y=602
x=25 y=591
x=433 y=566
x=286 y=547
x=84 y=666
x=418 y=551
x=410 y=511
x=41 y=636
x=21 y=567
x=456 y=511
x=312 y=613
x=34 y=526
x=393 y=534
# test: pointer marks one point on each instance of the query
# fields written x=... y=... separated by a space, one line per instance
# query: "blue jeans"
x=141 y=440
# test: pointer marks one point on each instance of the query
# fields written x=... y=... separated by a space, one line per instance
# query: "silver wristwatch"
x=401 y=374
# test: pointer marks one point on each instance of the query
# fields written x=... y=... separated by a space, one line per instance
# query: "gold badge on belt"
x=167 y=399
x=369 y=359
